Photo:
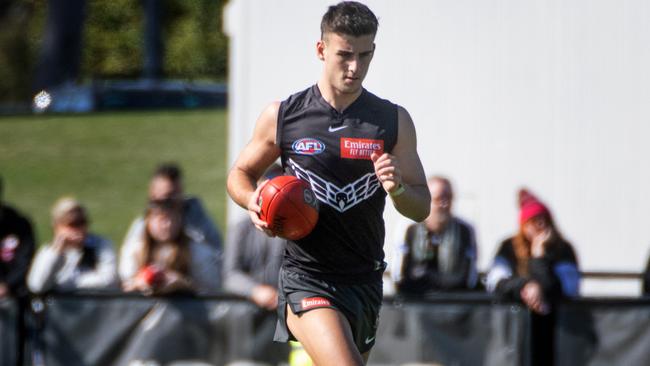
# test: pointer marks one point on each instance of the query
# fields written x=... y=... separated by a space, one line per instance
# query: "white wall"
x=553 y=95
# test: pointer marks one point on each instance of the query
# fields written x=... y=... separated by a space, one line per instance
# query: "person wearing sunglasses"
x=75 y=259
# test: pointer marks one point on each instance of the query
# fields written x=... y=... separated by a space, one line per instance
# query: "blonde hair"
x=64 y=206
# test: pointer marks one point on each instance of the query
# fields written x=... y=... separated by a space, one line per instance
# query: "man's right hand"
x=254 y=211
x=65 y=238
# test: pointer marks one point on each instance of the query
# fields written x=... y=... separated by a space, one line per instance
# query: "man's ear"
x=320 y=48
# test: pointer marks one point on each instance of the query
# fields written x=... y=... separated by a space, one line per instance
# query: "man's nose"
x=353 y=64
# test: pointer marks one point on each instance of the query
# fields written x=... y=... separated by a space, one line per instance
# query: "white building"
x=553 y=95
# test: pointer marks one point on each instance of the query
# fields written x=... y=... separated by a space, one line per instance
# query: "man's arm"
x=260 y=152
x=23 y=258
x=401 y=173
x=42 y=274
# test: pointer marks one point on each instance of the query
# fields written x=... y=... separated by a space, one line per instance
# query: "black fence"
x=455 y=329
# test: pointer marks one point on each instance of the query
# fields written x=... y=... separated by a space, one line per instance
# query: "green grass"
x=106 y=159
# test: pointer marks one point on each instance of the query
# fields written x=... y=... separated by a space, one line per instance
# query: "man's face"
x=346 y=60
x=440 y=205
x=162 y=188
x=74 y=227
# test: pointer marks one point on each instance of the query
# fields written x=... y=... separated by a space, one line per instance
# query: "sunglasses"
x=78 y=223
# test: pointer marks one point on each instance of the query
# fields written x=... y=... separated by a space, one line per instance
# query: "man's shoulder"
x=381 y=107
x=195 y=212
x=374 y=98
x=11 y=214
x=98 y=241
x=464 y=225
x=299 y=99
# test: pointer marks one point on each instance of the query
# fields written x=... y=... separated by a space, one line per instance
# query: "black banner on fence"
x=603 y=332
x=452 y=334
x=8 y=332
x=120 y=330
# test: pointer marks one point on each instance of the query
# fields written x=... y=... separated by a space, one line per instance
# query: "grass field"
x=105 y=160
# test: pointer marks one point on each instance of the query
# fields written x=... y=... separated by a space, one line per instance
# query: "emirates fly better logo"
x=352 y=148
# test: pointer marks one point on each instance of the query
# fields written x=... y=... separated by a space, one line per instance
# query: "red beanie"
x=530 y=206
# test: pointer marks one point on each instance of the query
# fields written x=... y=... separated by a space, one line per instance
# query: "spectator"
x=165 y=259
x=253 y=259
x=16 y=250
x=166 y=183
x=439 y=254
x=75 y=259
x=536 y=266
x=252 y=265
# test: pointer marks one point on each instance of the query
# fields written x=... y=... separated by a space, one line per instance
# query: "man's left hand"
x=387 y=170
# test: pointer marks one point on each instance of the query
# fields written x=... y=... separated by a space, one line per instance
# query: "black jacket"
x=16 y=249
x=556 y=272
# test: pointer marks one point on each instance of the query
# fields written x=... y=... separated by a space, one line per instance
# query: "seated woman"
x=536 y=266
x=165 y=260
x=75 y=259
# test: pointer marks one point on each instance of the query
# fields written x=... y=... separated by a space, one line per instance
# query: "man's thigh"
x=326 y=336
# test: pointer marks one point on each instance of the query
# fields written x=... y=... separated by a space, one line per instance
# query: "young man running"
x=354 y=149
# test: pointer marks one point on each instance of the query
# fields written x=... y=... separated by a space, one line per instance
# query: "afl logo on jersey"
x=308 y=146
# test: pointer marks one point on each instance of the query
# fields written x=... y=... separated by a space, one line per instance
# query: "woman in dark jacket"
x=536 y=266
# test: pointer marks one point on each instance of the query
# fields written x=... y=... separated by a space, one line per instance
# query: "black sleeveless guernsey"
x=331 y=151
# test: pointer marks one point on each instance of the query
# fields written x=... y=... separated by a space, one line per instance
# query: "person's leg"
x=326 y=336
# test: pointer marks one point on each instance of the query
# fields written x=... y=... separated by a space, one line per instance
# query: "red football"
x=289 y=206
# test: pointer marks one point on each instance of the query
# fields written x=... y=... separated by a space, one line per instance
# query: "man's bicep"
x=406 y=151
x=262 y=150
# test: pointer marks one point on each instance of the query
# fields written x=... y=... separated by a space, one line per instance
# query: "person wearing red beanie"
x=536 y=266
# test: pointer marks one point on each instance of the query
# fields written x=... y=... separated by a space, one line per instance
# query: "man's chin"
x=438 y=223
x=350 y=89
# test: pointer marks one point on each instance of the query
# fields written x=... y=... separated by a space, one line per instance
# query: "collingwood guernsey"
x=331 y=151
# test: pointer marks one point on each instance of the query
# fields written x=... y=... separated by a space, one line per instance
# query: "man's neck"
x=339 y=101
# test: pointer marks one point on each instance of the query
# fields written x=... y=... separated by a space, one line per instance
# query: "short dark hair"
x=170 y=171
x=349 y=18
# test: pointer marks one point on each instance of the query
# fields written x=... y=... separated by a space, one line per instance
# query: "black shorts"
x=359 y=304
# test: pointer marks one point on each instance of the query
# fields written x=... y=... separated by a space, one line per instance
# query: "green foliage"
x=22 y=24
x=194 y=44
x=113 y=39
x=106 y=159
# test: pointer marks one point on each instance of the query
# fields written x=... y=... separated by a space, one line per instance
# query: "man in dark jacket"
x=439 y=254
x=16 y=250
